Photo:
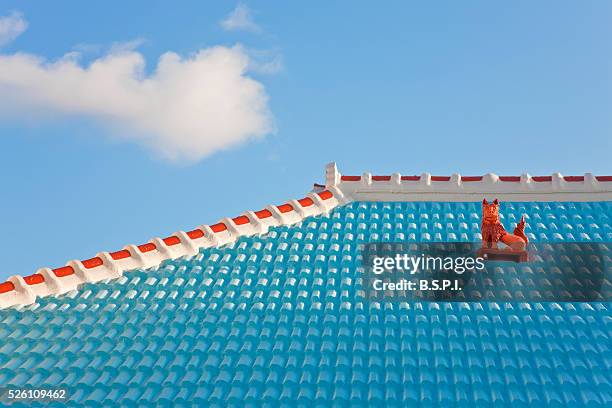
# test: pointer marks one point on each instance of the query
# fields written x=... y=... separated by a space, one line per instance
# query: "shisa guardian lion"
x=493 y=231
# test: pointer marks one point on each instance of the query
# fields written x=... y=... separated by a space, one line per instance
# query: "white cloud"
x=185 y=109
x=240 y=19
x=11 y=27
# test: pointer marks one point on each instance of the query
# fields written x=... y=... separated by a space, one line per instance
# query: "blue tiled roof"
x=279 y=317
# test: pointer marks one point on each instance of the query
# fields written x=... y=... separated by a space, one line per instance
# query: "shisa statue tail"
x=519 y=231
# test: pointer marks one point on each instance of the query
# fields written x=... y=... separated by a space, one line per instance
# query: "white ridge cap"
x=456 y=187
x=105 y=265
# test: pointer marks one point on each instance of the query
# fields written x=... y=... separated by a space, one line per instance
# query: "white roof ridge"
x=20 y=290
x=426 y=187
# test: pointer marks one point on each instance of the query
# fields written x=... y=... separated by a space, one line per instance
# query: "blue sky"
x=444 y=87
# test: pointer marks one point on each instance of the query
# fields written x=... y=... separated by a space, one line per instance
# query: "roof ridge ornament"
x=493 y=232
x=332 y=175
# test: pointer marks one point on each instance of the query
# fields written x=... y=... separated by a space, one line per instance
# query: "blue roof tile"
x=279 y=317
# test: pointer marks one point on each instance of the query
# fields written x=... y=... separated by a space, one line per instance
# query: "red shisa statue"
x=493 y=232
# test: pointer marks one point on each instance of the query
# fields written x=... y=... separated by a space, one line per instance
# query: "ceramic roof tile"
x=245 y=323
